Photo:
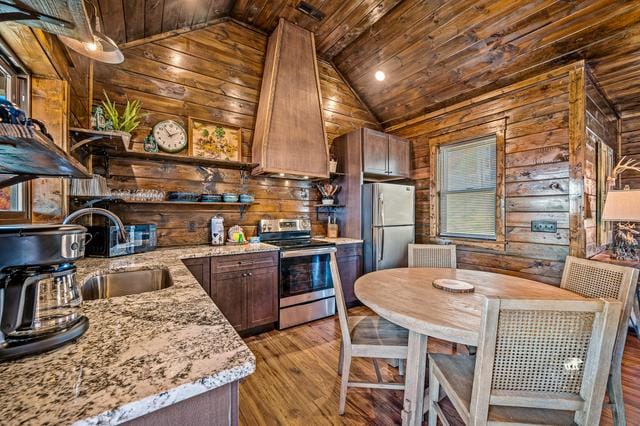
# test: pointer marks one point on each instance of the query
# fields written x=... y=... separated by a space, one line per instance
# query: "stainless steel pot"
x=34 y=245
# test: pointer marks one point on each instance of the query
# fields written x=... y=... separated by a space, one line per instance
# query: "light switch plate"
x=550 y=226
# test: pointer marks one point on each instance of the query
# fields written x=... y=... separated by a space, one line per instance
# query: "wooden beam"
x=577 y=146
x=172 y=33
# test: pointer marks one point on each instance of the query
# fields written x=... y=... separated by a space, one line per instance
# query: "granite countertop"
x=141 y=353
x=339 y=240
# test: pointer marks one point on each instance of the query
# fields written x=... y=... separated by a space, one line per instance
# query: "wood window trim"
x=22 y=216
x=495 y=128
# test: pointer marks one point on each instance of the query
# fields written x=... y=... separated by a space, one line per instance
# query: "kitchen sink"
x=123 y=283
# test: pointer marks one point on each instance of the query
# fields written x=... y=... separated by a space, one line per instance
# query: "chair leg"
x=344 y=383
x=614 y=387
x=340 y=360
x=434 y=397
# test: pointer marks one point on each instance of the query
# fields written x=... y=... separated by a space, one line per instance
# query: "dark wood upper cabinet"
x=385 y=155
x=399 y=157
x=289 y=134
x=375 y=152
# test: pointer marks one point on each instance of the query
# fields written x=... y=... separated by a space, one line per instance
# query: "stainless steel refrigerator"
x=388 y=225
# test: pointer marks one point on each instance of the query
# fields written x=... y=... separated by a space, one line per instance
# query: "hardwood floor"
x=296 y=382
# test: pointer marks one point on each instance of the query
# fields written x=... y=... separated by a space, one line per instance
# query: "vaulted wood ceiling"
x=433 y=52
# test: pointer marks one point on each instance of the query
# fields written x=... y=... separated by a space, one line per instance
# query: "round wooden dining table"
x=406 y=297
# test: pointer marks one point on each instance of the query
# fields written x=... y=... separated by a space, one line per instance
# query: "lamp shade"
x=622 y=206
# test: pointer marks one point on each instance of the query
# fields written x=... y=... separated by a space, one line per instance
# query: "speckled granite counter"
x=141 y=353
x=339 y=240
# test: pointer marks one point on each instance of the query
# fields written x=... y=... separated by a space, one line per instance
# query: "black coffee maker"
x=40 y=300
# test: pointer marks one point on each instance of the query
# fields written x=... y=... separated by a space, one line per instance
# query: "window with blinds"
x=467 y=185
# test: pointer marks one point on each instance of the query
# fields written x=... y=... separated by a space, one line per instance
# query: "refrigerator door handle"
x=381 y=209
x=381 y=251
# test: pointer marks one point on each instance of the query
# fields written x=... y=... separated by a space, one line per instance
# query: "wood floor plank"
x=296 y=381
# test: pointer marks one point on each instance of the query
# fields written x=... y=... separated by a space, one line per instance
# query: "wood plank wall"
x=630 y=138
x=537 y=113
x=214 y=73
x=601 y=121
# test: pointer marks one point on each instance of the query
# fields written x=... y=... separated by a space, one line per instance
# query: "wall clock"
x=170 y=136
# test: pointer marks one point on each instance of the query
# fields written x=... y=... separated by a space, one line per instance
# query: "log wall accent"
x=539 y=180
x=213 y=73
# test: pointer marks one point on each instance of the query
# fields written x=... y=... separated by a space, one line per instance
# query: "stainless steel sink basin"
x=123 y=283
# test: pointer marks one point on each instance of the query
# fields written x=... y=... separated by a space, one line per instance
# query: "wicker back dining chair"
x=596 y=279
x=366 y=337
x=432 y=256
x=538 y=362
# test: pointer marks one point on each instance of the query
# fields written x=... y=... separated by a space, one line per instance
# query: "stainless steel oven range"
x=306 y=282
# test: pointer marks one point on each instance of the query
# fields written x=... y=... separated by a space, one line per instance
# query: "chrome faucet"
x=90 y=210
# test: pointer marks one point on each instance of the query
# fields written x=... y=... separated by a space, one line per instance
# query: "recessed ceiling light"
x=281 y=174
x=380 y=75
x=306 y=177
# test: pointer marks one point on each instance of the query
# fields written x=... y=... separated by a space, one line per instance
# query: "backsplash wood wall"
x=538 y=173
x=214 y=73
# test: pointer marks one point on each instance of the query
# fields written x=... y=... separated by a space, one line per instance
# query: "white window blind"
x=468 y=189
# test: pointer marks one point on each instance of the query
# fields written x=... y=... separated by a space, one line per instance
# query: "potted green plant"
x=128 y=120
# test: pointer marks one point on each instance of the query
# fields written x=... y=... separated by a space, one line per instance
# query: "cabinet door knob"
x=250 y=274
x=244 y=275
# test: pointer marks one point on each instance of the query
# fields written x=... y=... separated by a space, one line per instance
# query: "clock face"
x=170 y=136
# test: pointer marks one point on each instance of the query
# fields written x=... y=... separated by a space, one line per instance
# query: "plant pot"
x=327 y=201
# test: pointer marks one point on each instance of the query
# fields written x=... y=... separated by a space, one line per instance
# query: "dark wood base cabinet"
x=244 y=287
x=349 y=258
x=217 y=407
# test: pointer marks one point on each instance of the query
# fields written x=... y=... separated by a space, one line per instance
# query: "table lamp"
x=623 y=207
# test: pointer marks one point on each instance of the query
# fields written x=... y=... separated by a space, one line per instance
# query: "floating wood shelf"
x=206 y=162
x=329 y=207
x=99 y=141
x=90 y=201
x=28 y=154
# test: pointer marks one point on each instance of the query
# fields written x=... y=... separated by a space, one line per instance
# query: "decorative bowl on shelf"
x=229 y=197
x=182 y=196
x=246 y=198
x=328 y=201
x=211 y=198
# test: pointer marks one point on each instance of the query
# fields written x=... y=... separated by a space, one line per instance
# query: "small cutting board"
x=454 y=286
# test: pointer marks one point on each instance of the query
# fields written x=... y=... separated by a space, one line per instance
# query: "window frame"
x=495 y=129
x=15 y=71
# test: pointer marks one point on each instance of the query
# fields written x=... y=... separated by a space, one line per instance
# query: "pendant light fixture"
x=101 y=48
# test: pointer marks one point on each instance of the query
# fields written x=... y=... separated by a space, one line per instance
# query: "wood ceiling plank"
x=583 y=42
x=154 y=10
x=236 y=33
x=134 y=18
x=112 y=14
x=170 y=15
x=329 y=50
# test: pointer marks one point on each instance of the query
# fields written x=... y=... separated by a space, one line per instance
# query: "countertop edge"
x=152 y=403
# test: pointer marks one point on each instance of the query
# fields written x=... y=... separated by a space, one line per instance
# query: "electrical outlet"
x=550 y=226
x=192 y=226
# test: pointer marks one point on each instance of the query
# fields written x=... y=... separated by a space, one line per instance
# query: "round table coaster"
x=454 y=286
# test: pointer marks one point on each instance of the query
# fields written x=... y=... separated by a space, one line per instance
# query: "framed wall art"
x=216 y=141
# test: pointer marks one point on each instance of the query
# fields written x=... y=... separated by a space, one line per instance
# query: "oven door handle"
x=307 y=252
